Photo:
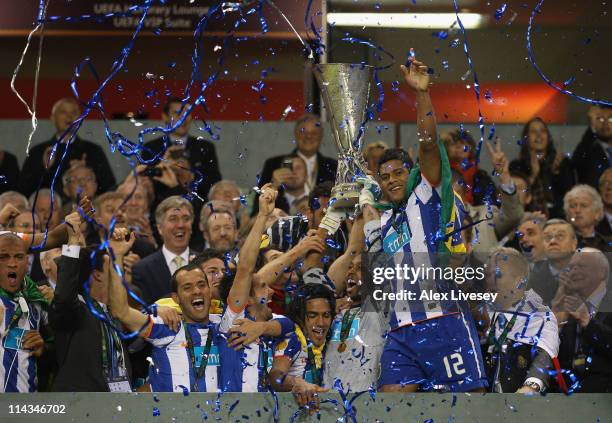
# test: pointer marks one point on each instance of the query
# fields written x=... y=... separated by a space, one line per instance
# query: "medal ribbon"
x=315 y=355
x=347 y=323
x=198 y=371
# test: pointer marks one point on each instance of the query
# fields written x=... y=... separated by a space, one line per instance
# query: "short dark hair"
x=187 y=268
x=208 y=254
x=322 y=190
x=395 y=154
x=296 y=310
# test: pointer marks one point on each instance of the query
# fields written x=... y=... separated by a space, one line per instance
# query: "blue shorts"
x=439 y=353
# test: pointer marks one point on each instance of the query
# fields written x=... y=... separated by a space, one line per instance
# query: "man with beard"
x=220 y=230
x=247 y=298
x=23 y=311
x=299 y=358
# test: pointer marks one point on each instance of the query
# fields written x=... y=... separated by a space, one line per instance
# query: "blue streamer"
x=530 y=55
x=132 y=150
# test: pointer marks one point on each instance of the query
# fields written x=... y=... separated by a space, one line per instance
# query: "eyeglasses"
x=602 y=119
x=558 y=236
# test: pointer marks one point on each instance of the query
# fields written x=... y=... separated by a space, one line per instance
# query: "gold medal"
x=342 y=347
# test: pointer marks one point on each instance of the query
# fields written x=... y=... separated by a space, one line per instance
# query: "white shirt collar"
x=169 y=256
x=292 y=198
x=311 y=169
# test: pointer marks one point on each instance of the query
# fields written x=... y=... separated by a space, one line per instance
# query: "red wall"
x=229 y=100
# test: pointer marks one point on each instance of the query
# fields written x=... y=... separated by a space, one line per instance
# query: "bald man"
x=38 y=170
x=23 y=310
x=583 y=306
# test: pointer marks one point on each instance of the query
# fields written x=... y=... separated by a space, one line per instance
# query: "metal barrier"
x=235 y=407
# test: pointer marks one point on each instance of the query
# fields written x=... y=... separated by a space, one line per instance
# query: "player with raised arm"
x=247 y=319
x=432 y=344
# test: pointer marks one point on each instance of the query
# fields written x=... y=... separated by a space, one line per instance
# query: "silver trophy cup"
x=345 y=89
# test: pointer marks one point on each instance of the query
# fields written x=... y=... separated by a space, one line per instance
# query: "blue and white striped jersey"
x=18 y=368
x=411 y=236
x=296 y=352
x=172 y=369
x=242 y=371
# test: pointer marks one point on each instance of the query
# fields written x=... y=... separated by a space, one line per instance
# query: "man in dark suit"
x=200 y=153
x=308 y=136
x=174 y=219
x=560 y=242
x=79 y=335
x=593 y=154
x=582 y=307
x=605 y=190
x=37 y=169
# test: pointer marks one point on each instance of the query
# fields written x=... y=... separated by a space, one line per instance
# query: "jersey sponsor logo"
x=213 y=357
x=337 y=327
x=395 y=242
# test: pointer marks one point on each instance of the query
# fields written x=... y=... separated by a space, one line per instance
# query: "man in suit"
x=584 y=209
x=605 y=190
x=38 y=170
x=80 y=337
x=582 y=307
x=594 y=152
x=200 y=153
x=174 y=219
x=308 y=136
x=560 y=242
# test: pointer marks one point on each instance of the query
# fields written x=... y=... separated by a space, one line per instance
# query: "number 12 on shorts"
x=453 y=364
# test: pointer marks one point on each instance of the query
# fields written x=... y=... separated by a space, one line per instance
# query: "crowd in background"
x=542 y=218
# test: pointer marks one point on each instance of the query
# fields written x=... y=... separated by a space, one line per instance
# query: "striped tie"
x=178 y=262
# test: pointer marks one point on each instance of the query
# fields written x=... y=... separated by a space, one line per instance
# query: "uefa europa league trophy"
x=345 y=89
